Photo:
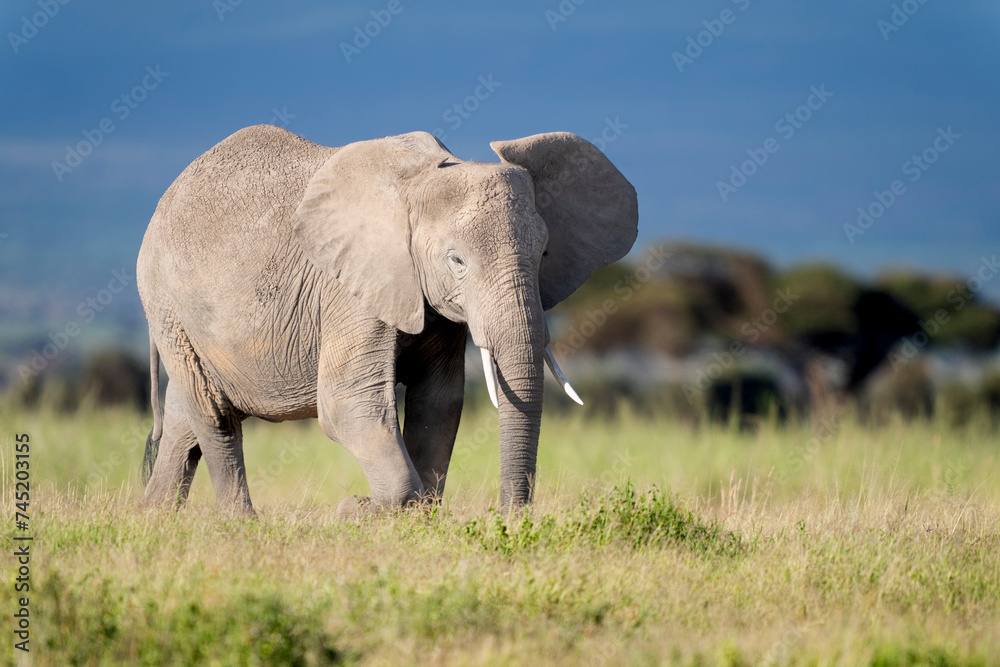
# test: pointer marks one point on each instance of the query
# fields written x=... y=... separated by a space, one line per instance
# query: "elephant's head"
x=400 y=221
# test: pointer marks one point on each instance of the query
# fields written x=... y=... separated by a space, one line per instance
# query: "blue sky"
x=587 y=68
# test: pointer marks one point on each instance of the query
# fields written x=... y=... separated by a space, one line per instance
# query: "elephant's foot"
x=162 y=495
x=244 y=510
x=161 y=504
x=235 y=502
x=354 y=506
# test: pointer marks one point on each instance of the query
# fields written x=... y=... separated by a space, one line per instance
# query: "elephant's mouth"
x=452 y=296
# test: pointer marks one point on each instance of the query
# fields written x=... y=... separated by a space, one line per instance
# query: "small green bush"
x=622 y=517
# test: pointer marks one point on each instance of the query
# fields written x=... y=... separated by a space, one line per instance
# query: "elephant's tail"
x=153 y=439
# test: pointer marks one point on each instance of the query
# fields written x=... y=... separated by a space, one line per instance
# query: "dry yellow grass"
x=787 y=545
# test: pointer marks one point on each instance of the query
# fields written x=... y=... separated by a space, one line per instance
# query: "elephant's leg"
x=221 y=440
x=177 y=459
x=215 y=424
x=356 y=405
x=434 y=370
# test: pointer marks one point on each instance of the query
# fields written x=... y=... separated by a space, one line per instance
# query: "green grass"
x=650 y=542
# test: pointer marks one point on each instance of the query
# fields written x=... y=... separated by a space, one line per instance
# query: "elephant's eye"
x=457 y=264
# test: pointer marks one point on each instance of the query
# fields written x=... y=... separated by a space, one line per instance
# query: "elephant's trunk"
x=519 y=350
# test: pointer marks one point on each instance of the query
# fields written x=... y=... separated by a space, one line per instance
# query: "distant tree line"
x=838 y=337
x=701 y=296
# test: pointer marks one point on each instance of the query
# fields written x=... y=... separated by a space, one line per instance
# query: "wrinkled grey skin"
x=286 y=280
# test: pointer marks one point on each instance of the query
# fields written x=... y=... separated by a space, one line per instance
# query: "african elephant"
x=284 y=280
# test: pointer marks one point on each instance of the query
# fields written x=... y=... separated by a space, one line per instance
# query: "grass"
x=651 y=541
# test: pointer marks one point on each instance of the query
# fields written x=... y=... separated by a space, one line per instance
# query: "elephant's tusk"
x=491 y=377
x=554 y=367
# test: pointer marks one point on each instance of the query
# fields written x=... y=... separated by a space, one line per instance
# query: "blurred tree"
x=680 y=297
x=747 y=397
x=967 y=321
x=906 y=391
x=668 y=305
x=825 y=305
x=116 y=378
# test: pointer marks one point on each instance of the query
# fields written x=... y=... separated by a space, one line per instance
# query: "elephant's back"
x=219 y=259
x=249 y=183
x=229 y=210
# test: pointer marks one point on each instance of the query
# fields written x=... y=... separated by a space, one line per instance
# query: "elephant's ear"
x=353 y=223
x=589 y=207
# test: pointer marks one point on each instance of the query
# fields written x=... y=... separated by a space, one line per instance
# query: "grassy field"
x=650 y=542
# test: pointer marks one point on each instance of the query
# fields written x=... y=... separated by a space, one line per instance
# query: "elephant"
x=283 y=279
